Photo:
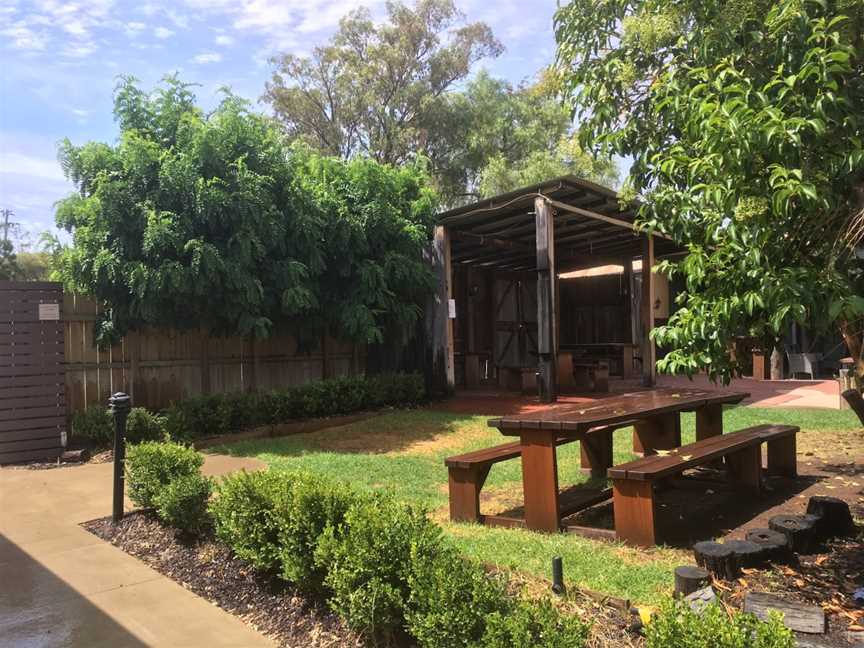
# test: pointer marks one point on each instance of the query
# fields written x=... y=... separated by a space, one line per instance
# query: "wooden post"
x=627 y=289
x=325 y=357
x=133 y=352
x=442 y=329
x=547 y=339
x=649 y=353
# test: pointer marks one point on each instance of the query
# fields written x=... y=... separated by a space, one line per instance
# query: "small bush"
x=535 y=624
x=677 y=626
x=144 y=425
x=450 y=599
x=369 y=562
x=244 y=514
x=182 y=503
x=94 y=424
x=312 y=506
x=150 y=466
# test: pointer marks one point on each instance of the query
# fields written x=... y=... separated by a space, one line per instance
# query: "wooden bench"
x=467 y=472
x=633 y=482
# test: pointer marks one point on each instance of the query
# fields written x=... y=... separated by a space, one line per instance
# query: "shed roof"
x=590 y=227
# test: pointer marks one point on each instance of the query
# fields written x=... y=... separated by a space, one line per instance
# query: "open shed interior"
x=545 y=273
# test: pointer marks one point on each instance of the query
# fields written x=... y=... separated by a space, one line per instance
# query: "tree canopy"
x=195 y=220
x=744 y=122
x=374 y=89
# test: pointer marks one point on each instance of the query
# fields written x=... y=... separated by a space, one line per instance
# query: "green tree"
x=211 y=221
x=188 y=221
x=744 y=122
x=494 y=138
x=8 y=261
x=375 y=89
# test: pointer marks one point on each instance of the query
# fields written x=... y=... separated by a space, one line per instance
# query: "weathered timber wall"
x=158 y=366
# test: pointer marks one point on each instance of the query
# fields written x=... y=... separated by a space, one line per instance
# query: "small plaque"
x=49 y=311
x=451 y=308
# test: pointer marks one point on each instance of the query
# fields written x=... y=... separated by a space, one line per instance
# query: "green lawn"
x=404 y=451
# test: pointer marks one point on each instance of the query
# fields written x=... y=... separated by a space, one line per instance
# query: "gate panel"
x=32 y=392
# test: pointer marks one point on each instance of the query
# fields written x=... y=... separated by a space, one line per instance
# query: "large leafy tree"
x=495 y=137
x=744 y=122
x=375 y=89
x=211 y=221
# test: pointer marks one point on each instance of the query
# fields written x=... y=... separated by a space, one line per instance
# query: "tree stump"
x=718 y=559
x=800 y=531
x=834 y=516
x=688 y=579
x=749 y=553
x=774 y=545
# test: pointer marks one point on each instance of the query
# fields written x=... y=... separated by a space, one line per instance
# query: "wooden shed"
x=531 y=278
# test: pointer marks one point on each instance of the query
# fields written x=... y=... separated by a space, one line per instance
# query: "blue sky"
x=60 y=61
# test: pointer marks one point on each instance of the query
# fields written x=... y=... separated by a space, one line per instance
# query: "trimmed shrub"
x=182 y=503
x=244 y=515
x=535 y=624
x=150 y=466
x=369 y=562
x=677 y=626
x=144 y=425
x=450 y=599
x=312 y=506
x=216 y=414
x=94 y=424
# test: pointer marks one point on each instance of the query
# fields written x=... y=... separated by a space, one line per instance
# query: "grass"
x=404 y=451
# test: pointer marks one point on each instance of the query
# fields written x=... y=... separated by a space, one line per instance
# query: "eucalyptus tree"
x=743 y=119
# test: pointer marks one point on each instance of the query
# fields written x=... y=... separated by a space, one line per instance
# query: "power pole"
x=6 y=224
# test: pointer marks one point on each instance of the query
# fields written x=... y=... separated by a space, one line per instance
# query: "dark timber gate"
x=32 y=399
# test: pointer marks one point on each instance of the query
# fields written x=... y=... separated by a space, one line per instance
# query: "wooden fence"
x=157 y=367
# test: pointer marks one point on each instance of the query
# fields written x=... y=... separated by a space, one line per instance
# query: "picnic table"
x=655 y=415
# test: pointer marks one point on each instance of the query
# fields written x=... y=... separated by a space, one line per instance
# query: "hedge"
x=216 y=414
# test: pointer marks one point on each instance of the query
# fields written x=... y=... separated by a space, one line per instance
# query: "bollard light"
x=558 y=576
x=120 y=405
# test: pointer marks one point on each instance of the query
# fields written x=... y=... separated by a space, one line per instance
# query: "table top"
x=580 y=417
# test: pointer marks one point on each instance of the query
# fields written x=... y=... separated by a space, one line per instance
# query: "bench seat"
x=633 y=482
x=467 y=472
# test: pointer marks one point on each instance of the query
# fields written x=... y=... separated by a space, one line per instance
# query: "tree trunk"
x=852 y=336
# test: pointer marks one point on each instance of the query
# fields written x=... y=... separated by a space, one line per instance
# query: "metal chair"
x=806 y=363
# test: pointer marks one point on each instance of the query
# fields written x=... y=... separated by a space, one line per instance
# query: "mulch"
x=207 y=568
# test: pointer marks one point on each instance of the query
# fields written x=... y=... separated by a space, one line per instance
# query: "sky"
x=59 y=63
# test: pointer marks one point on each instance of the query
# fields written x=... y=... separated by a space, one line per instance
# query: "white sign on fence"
x=49 y=311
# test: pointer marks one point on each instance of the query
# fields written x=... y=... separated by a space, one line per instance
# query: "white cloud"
x=207 y=57
x=28 y=165
x=80 y=112
x=163 y=32
x=224 y=40
x=135 y=26
x=24 y=38
x=80 y=49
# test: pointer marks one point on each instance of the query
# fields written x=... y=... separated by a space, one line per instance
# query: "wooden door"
x=515 y=317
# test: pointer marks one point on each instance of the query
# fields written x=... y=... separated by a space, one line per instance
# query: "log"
x=853 y=397
x=718 y=559
x=800 y=531
x=801 y=618
x=689 y=579
x=834 y=516
x=748 y=553
x=75 y=456
x=774 y=545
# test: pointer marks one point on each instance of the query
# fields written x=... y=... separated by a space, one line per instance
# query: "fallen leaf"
x=743 y=582
x=821 y=559
x=663 y=453
x=799 y=583
x=854 y=627
x=747 y=571
x=686 y=457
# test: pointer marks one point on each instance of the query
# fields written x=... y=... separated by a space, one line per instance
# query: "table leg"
x=783 y=457
x=709 y=421
x=596 y=449
x=540 y=480
x=633 y=506
x=661 y=432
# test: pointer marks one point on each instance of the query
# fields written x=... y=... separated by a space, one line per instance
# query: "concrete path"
x=62 y=586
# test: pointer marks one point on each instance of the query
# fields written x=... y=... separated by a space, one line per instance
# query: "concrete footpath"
x=62 y=586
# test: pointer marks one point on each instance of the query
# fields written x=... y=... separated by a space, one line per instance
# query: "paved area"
x=62 y=586
x=824 y=394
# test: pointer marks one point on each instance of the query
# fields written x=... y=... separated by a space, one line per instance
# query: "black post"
x=120 y=404
x=558 y=576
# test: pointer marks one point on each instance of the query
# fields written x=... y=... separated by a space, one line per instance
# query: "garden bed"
x=207 y=568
